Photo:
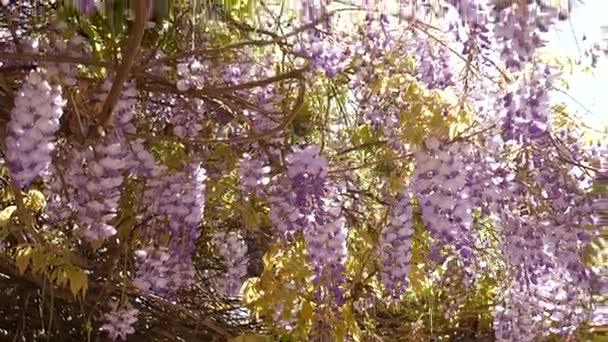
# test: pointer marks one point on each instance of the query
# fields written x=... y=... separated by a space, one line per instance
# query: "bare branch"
x=142 y=10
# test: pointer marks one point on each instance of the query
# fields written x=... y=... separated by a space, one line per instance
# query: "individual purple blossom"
x=32 y=127
x=119 y=321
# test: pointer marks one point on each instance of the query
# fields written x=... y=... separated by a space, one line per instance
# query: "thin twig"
x=237 y=45
x=284 y=123
x=35 y=57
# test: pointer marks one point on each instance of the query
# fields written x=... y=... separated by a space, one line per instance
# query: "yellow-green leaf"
x=38 y=260
x=251 y=338
x=35 y=200
x=78 y=280
x=6 y=214
x=249 y=215
x=307 y=312
x=22 y=259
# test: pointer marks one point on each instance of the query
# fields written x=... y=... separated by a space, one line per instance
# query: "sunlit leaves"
x=56 y=267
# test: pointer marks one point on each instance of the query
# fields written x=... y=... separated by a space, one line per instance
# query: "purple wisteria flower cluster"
x=327 y=56
x=395 y=247
x=440 y=182
x=233 y=250
x=518 y=33
x=119 y=321
x=509 y=168
x=174 y=203
x=319 y=216
x=32 y=127
x=162 y=272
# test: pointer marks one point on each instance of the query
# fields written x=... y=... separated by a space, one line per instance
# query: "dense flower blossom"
x=119 y=321
x=31 y=130
x=516 y=172
x=518 y=33
x=191 y=74
x=123 y=112
x=435 y=71
x=175 y=202
x=328 y=57
x=233 y=250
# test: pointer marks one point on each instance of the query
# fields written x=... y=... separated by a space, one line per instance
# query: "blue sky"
x=566 y=39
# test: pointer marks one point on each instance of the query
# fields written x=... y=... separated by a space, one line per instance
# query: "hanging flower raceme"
x=440 y=181
x=174 y=203
x=162 y=271
x=320 y=218
x=233 y=250
x=395 y=247
x=103 y=168
x=526 y=110
x=518 y=30
x=32 y=127
x=435 y=70
x=96 y=173
x=119 y=321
